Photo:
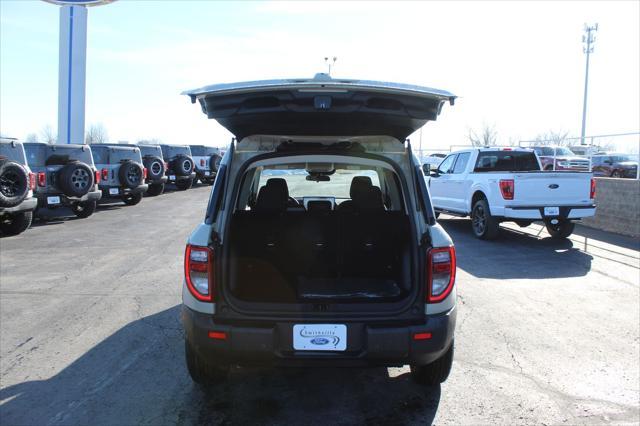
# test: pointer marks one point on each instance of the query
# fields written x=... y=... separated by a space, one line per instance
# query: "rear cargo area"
x=320 y=256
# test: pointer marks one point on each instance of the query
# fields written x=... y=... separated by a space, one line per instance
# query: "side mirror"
x=426 y=169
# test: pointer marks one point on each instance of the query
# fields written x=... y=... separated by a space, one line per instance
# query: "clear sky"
x=517 y=66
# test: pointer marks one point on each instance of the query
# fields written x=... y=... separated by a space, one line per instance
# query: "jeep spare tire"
x=75 y=179
x=155 y=168
x=130 y=174
x=183 y=165
x=14 y=184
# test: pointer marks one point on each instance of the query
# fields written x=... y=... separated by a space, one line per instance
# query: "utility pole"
x=588 y=39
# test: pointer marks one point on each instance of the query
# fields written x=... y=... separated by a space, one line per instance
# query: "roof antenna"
x=330 y=64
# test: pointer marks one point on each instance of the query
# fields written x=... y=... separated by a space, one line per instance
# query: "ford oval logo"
x=319 y=341
x=554 y=186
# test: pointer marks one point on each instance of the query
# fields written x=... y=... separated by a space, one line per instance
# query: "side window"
x=538 y=151
x=447 y=164
x=461 y=163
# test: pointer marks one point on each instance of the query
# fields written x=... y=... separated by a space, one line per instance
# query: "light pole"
x=72 y=67
x=329 y=64
x=588 y=39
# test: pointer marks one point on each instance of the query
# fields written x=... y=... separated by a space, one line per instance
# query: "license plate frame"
x=320 y=337
x=53 y=200
x=552 y=211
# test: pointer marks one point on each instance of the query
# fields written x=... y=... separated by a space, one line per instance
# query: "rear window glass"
x=202 y=151
x=36 y=154
x=110 y=155
x=170 y=151
x=506 y=161
x=151 y=151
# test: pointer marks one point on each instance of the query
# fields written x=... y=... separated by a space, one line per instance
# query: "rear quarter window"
x=14 y=152
x=506 y=161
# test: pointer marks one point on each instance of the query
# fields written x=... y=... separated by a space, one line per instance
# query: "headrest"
x=272 y=198
x=359 y=184
x=279 y=183
x=371 y=200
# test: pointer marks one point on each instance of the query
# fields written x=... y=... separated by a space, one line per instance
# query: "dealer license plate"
x=551 y=211
x=172 y=177
x=53 y=200
x=320 y=337
x=114 y=191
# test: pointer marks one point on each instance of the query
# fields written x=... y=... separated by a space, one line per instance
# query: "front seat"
x=359 y=187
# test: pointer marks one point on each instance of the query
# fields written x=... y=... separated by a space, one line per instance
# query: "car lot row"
x=36 y=176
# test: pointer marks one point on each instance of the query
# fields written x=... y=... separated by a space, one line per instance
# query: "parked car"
x=122 y=175
x=494 y=185
x=17 y=183
x=153 y=161
x=207 y=161
x=614 y=165
x=180 y=165
x=338 y=259
x=560 y=158
x=66 y=176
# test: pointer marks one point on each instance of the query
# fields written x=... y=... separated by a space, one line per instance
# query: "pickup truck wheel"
x=436 y=372
x=484 y=225
x=14 y=184
x=132 y=199
x=84 y=209
x=155 y=189
x=185 y=184
x=562 y=229
x=202 y=371
x=16 y=223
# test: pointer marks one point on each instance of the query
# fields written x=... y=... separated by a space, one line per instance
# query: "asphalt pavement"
x=548 y=333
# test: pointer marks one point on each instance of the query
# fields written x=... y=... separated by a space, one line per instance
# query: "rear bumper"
x=191 y=176
x=65 y=200
x=25 y=206
x=158 y=181
x=537 y=212
x=105 y=190
x=272 y=344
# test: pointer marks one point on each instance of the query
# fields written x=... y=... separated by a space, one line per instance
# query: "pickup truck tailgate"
x=552 y=189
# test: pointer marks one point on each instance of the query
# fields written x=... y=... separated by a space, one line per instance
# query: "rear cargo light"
x=97 y=176
x=145 y=172
x=32 y=181
x=198 y=272
x=105 y=174
x=218 y=335
x=202 y=162
x=422 y=336
x=592 y=192
x=42 y=179
x=441 y=273
x=507 y=188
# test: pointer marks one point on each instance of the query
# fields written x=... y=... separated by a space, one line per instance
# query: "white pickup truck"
x=494 y=185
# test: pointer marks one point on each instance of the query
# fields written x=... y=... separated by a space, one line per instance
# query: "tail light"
x=166 y=166
x=202 y=162
x=592 y=191
x=42 y=179
x=441 y=273
x=32 y=181
x=97 y=176
x=507 y=188
x=198 y=272
x=144 y=172
x=105 y=174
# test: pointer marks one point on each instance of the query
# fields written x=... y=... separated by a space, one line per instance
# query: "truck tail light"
x=507 y=188
x=202 y=162
x=145 y=173
x=592 y=191
x=97 y=176
x=198 y=272
x=105 y=174
x=32 y=181
x=441 y=273
x=166 y=166
x=42 y=179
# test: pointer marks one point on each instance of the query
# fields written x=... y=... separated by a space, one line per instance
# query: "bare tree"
x=152 y=141
x=553 y=137
x=31 y=137
x=96 y=134
x=487 y=137
x=48 y=134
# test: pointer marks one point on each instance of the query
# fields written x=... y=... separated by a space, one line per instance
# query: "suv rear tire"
x=202 y=371
x=130 y=174
x=562 y=229
x=484 y=226
x=155 y=189
x=16 y=224
x=14 y=184
x=183 y=165
x=132 y=199
x=436 y=372
x=84 y=209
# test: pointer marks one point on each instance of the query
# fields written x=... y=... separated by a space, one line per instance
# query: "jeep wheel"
x=155 y=167
x=16 y=223
x=14 y=184
x=183 y=165
x=434 y=373
x=201 y=371
x=75 y=179
x=184 y=184
x=84 y=209
x=132 y=199
x=155 y=189
x=484 y=225
x=130 y=174
x=560 y=230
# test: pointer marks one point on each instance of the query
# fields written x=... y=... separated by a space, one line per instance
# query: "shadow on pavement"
x=137 y=375
x=515 y=255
